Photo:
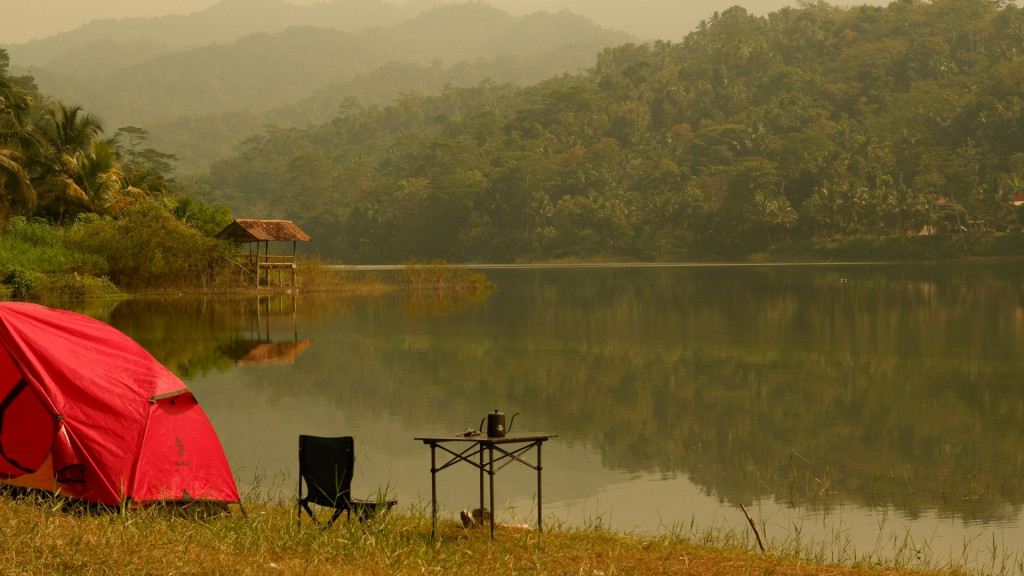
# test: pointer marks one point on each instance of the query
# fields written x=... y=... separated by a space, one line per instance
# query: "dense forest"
x=812 y=123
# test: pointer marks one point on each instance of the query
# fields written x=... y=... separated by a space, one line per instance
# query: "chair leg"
x=337 y=513
x=304 y=506
x=366 y=512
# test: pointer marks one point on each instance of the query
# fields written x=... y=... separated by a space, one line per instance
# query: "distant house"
x=255 y=232
x=1018 y=200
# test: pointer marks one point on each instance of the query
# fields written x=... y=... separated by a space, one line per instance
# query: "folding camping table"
x=479 y=451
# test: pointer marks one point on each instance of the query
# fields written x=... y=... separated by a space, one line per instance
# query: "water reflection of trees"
x=902 y=386
x=894 y=385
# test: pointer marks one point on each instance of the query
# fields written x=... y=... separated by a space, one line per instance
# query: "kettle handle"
x=482 y=420
x=513 y=419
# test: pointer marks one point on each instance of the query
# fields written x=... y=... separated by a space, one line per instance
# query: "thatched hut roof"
x=263 y=231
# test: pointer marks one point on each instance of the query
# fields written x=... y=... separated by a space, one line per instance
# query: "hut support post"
x=294 y=263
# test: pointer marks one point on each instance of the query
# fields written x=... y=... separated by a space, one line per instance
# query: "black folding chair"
x=325 y=467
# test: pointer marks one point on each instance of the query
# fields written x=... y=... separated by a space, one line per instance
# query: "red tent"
x=87 y=412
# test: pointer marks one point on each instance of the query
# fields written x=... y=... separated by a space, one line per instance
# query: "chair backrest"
x=326 y=465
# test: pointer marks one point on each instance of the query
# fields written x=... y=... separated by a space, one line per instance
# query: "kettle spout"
x=511 y=421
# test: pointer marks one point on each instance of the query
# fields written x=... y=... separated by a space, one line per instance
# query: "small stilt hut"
x=255 y=232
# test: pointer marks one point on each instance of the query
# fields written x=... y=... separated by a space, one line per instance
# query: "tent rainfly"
x=87 y=413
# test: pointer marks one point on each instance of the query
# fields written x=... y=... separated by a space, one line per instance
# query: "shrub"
x=439 y=276
x=203 y=217
x=148 y=249
x=22 y=283
x=76 y=286
x=35 y=231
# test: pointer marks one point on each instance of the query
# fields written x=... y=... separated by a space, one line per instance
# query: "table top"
x=485 y=439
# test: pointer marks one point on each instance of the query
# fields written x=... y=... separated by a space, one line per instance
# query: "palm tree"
x=772 y=212
x=68 y=134
x=16 y=192
x=106 y=185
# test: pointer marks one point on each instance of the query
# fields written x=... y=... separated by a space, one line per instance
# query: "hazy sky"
x=23 y=20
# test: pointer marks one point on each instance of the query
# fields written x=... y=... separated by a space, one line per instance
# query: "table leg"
x=433 y=493
x=540 y=498
x=490 y=451
x=483 y=468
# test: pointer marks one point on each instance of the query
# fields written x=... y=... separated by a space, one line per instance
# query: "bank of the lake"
x=899 y=248
x=48 y=537
x=50 y=264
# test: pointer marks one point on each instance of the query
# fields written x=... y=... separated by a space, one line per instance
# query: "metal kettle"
x=496 y=424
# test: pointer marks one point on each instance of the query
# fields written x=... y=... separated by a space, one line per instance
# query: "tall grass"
x=38 y=246
x=37 y=264
x=41 y=538
x=440 y=277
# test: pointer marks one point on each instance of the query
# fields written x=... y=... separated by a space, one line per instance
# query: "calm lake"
x=854 y=410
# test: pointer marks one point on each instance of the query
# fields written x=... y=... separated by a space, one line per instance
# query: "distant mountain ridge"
x=265 y=70
x=198 y=100
x=224 y=23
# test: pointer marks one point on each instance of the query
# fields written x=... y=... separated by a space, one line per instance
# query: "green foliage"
x=36 y=245
x=74 y=286
x=203 y=217
x=149 y=249
x=441 y=277
x=21 y=283
x=814 y=124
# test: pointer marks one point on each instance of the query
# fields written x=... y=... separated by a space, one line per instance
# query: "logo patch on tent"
x=181 y=452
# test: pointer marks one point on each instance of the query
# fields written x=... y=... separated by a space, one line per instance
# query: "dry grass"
x=313 y=276
x=43 y=536
x=438 y=278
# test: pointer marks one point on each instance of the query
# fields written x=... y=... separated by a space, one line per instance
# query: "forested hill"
x=223 y=23
x=199 y=102
x=809 y=123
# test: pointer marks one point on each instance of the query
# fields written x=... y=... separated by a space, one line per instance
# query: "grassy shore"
x=47 y=536
x=93 y=259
